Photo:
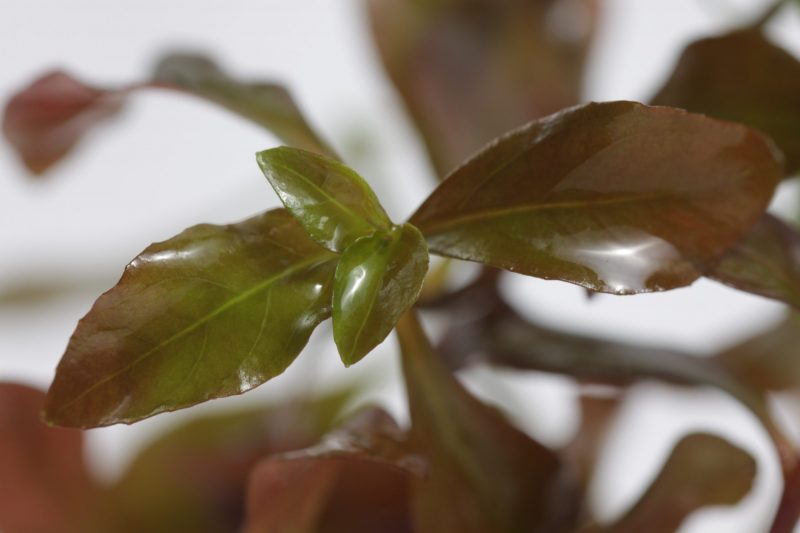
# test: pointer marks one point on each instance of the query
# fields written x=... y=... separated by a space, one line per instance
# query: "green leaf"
x=617 y=197
x=743 y=77
x=377 y=279
x=212 y=312
x=44 y=121
x=485 y=475
x=357 y=480
x=45 y=484
x=766 y=262
x=470 y=71
x=334 y=204
x=703 y=470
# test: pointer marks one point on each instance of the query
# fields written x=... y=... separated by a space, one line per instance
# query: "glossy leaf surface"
x=486 y=474
x=470 y=71
x=745 y=78
x=44 y=121
x=44 y=485
x=214 y=311
x=702 y=470
x=334 y=203
x=194 y=478
x=357 y=481
x=617 y=197
x=377 y=279
x=766 y=262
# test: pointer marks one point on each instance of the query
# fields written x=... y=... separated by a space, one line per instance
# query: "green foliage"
x=214 y=311
x=618 y=197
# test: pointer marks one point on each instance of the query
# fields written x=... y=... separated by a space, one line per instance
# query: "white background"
x=173 y=161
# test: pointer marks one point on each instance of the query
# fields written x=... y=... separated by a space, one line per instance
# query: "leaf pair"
x=382 y=266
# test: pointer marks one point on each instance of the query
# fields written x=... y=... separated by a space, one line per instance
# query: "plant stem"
x=769 y=14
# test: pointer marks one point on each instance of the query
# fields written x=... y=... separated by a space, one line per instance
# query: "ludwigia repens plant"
x=617 y=197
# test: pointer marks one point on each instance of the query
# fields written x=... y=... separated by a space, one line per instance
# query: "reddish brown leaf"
x=355 y=481
x=194 y=478
x=470 y=71
x=769 y=360
x=46 y=120
x=766 y=262
x=44 y=485
x=485 y=475
x=703 y=470
x=617 y=197
x=745 y=78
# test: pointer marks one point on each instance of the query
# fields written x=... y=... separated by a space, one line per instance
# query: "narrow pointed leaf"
x=703 y=470
x=377 y=279
x=356 y=480
x=745 y=78
x=44 y=483
x=334 y=203
x=617 y=197
x=470 y=71
x=44 y=121
x=486 y=474
x=766 y=262
x=214 y=311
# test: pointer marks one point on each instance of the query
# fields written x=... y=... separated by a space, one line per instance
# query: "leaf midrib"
x=188 y=329
x=450 y=223
x=373 y=296
x=353 y=215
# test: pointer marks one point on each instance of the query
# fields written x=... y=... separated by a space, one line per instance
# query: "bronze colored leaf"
x=766 y=262
x=370 y=434
x=485 y=475
x=617 y=197
x=703 y=470
x=214 y=311
x=267 y=104
x=194 y=478
x=470 y=71
x=742 y=77
x=770 y=360
x=357 y=480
